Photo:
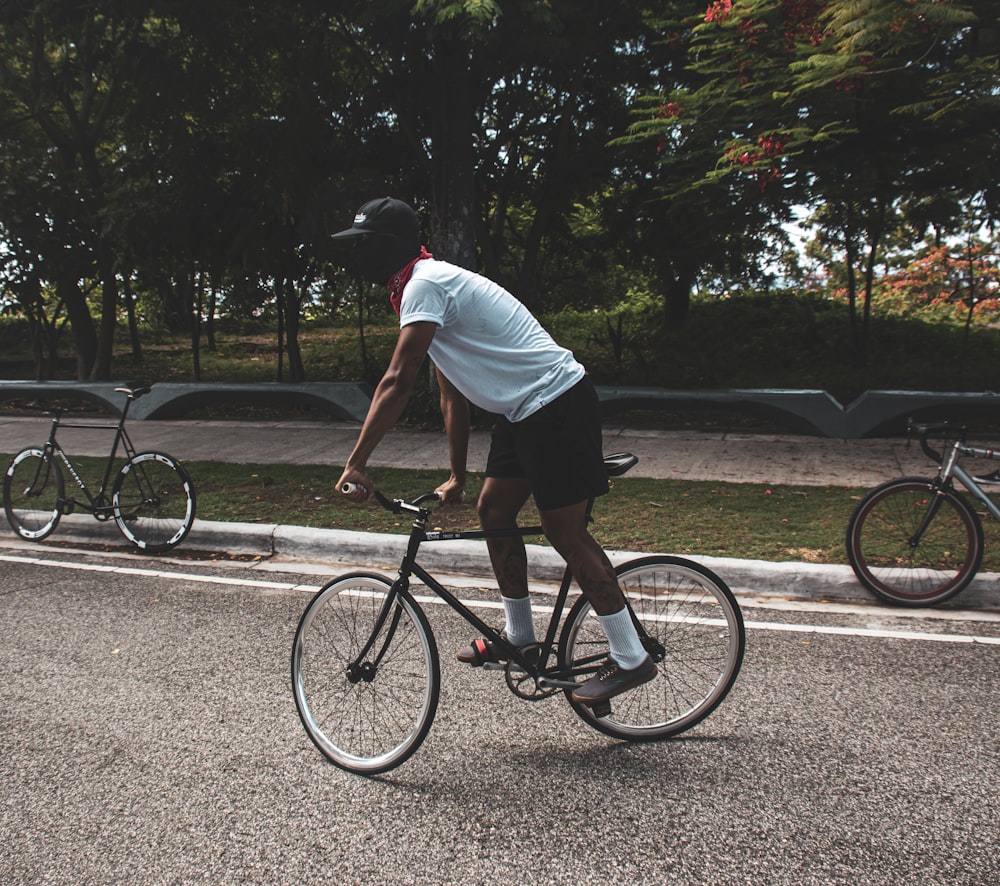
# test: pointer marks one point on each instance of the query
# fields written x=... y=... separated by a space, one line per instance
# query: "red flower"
x=719 y=11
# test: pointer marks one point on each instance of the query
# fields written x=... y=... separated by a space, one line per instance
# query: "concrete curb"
x=383 y=551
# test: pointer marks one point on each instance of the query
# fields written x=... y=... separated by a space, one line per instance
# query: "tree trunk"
x=213 y=294
x=81 y=323
x=548 y=203
x=676 y=303
x=850 y=259
x=133 y=325
x=186 y=297
x=29 y=293
x=279 y=298
x=101 y=370
x=293 y=302
x=453 y=185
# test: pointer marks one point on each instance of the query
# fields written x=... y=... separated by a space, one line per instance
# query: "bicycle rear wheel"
x=696 y=637
x=33 y=493
x=368 y=716
x=895 y=565
x=153 y=501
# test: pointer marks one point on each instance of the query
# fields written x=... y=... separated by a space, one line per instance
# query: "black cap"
x=384 y=215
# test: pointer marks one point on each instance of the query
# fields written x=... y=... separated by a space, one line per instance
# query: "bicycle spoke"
x=904 y=552
x=153 y=501
x=695 y=619
x=33 y=494
x=374 y=719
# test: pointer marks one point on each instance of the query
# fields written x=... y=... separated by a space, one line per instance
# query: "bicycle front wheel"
x=153 y=501
x=695 y=634
x=33 y=493
x=908 y=555
x=369 y=713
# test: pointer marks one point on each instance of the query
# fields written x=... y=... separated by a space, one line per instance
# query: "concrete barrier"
x=814 y=412
x=873 y=414
x=803 y=411
x=348 y=401
x=885 y=413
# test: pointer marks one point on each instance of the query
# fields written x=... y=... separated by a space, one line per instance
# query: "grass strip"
x=687 y=517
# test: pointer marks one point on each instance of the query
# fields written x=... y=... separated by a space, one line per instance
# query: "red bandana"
x=399 y=280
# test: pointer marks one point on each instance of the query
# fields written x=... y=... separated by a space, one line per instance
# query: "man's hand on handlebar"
x=356 y=486
x=452 y=491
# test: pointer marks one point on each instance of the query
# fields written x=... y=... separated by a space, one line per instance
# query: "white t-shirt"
x=488 y=345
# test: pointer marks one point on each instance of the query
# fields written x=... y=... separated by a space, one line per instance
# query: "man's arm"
x=455 y=411
x=388 y=402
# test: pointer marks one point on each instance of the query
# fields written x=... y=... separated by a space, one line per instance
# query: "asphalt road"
x=149 y=736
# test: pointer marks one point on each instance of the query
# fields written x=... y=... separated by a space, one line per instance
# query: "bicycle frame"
x=951 y=468
x=369 y=709
x=97 y=504
x=548 y=678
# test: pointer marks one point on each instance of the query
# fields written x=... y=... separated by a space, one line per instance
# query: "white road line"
x=874 y=633
x=162 y=573
x=878 y=633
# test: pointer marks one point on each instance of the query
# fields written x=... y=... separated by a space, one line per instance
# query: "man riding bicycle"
x=487 y=348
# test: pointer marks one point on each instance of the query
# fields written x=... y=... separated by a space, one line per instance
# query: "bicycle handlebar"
x=396 y=505
x=924 y=429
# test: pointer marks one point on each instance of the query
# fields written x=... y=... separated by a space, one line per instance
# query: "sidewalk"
x=690 y=455
x=680 y=455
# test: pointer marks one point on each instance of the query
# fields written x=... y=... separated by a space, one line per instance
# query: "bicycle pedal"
x=602 y=709
x=493 y=665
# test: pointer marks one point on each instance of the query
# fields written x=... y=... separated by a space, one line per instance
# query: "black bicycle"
x=366 y=674
x=150 y=497
x=917 y=541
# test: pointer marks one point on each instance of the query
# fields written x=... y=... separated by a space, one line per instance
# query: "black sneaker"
x=989 y=479
x=612 y=680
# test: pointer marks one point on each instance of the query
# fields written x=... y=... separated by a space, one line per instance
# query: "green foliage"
x=177 y=166
x=774 y=340
x=784 y=341
x=869 y=112
x=468 y=12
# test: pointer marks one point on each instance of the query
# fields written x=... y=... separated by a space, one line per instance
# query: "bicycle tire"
x=371 y=719
x=880 y=552
x=33 y=494
x=697 y=640
x=153 y=502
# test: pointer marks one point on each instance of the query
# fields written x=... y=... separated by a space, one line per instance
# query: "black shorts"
x=558 y=449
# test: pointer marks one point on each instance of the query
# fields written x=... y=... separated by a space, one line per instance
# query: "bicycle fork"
x=932 y=508
x=363 y=668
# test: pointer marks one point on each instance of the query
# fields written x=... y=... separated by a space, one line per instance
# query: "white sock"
x=626 y=649
x=520 y=626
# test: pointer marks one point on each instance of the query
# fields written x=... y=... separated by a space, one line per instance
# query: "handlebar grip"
x=349 y=488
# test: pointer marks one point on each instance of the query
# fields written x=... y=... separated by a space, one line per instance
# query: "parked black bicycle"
x=366 y=674
x=917 y=541
x=150 y=497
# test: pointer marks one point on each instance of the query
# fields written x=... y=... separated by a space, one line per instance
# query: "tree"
x=843 y=105
x=62 y=69
x=505 y=111
x=697 y=223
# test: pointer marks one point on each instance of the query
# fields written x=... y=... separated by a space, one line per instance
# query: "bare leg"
x=499 y=504
x=628 y=665
x=566 y=528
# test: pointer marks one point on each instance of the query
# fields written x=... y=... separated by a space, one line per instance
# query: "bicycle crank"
x=522 y=684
